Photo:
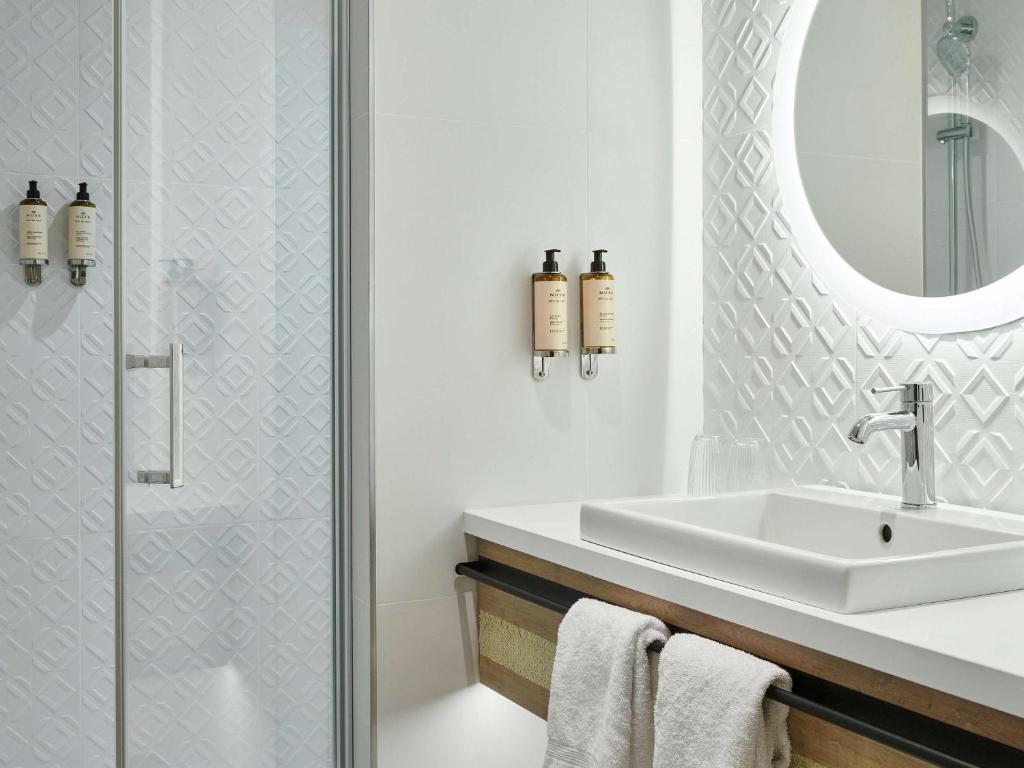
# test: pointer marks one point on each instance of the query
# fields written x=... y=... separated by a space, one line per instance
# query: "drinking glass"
x=746 y=465
x=707 y=465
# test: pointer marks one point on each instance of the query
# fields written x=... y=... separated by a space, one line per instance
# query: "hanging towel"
x=711 y=709
x=601 y=711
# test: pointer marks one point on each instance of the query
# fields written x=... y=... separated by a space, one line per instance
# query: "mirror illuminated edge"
x=995 y=304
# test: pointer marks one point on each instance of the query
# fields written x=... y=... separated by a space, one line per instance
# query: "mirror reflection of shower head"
x=952 y=48
x=954 y=55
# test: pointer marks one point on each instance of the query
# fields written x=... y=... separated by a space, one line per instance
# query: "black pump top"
x=33 y=190
x=598 y=265
x=83 y=191
x=550 y=265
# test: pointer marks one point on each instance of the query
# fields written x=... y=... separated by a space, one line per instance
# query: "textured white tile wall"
x=784 y=360
x=56 y=410
x=498 y=131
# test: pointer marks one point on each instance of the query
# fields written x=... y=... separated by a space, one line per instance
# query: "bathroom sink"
x=846 y=551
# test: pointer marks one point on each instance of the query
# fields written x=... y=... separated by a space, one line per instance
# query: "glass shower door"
x=226 y=322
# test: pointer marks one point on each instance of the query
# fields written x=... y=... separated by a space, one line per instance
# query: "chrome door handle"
x=174 y=361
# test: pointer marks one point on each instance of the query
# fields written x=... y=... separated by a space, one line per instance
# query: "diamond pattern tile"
x=40 y=675
x=39 y=103
x=785 y=360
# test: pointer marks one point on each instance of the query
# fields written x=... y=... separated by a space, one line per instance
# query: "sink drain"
x=885 y=531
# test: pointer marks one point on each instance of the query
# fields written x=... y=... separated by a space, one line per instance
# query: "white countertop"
x=971 y=648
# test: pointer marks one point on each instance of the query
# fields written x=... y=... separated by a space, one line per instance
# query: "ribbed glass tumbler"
x=747 y=465
x=707 y=466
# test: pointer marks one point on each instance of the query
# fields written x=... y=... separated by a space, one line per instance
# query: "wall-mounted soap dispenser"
x=597 y=315
x=81 y=235
x=550 y=315
x=33 y=241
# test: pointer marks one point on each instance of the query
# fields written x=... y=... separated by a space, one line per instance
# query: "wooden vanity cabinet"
x=517 y=648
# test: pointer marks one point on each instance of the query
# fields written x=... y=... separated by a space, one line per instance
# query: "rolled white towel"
x=711 y=708
x=601 y=711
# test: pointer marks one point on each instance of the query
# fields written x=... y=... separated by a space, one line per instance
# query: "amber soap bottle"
x=33 y=221
x=81 y=235
x=597 y=307
x=550 y=308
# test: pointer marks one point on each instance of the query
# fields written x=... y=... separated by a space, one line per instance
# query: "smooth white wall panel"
x=500 y=130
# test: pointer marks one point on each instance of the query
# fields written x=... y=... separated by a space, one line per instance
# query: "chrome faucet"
x=915 y=421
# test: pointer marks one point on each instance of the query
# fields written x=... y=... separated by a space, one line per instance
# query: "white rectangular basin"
x=821 y=546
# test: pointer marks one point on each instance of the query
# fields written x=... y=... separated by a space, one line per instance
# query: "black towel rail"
x=908 y=732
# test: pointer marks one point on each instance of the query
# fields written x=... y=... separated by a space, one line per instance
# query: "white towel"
x=711 y=710
x=601 y=712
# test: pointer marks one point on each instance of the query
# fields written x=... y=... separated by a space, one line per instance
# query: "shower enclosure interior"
x=973 y=147
x=170 y=484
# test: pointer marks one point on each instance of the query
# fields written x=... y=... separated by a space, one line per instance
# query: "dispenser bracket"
x=542 y=362
x=589 y=358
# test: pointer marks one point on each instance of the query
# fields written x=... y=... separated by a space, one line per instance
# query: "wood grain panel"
x=969 y=716
x=829 y=744
x=528 y=695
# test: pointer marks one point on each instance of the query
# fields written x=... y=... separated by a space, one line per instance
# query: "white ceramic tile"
x=40 y=651
x=685 y=357
x=422 y=684
x=509 y=736
x=451 y=201
x=55 y=400
x=96 y=88
x=97 y=650
x=39 y=128
x=632 y=213
x=464 y=213
x=518 y=63
x=430 y=702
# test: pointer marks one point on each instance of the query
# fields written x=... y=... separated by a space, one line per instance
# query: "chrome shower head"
x=954 y=55
x=952 y=48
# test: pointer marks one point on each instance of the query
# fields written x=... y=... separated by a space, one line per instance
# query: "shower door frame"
x=341 y=385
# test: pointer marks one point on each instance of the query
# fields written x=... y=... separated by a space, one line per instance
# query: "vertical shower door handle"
x=174 y=362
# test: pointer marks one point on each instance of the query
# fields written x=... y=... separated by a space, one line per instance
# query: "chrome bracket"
x=542 y=363
x=589 y=358
x=965 y=131
x=147 y=361
x=153 y=477
x=964 y=28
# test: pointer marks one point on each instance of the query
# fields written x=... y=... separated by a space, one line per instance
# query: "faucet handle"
x=880 y=390
x=913 y=392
